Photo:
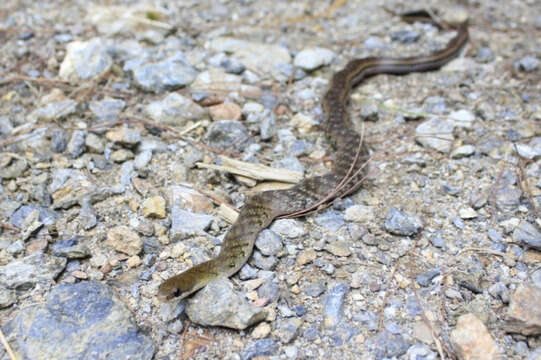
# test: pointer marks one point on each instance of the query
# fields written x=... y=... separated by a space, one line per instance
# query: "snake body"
x=347 y=173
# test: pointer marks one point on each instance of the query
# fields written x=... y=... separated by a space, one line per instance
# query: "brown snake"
x=348 y=171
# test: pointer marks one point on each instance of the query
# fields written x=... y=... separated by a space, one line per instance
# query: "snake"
x=349 y=166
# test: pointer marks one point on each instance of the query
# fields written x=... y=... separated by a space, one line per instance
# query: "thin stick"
x=6 y=346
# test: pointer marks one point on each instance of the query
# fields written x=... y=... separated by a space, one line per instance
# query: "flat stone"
x=124 y=136
x=524 y=312
x=174 y=109
x=124 y=240
x=463 y=151
x=107 y=109
x=7 y=297
x=360 y=213
x=71 y=248
x=227 y=134
x=269 y=243
x=289 y=228
x=436 y=133
x=219 y=305
x=334 y=302
x=225 y=111
x=462 y=118
x=87 y=314
x=121 y=155
x=24 y=273
x=472 y=341
x=261 y=331
x=527 y=234
x=306 y=256
x=338 y=248
x=400 y=223
x=185 y=223
x=467 y=213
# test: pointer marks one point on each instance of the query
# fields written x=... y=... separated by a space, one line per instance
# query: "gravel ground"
x=112 y=115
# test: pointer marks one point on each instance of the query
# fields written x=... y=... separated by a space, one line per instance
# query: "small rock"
x=527 y=64
x=94 y=143
x=499 y=291
x=269 y=242
x=108 y=109
x=303 y=122
x=330 y=220
x=72 y=248
x=124 y=240
x=142 y=159
x=185 y=223
x=174 y=109
x=436 y=133
x=24 y=273
x=11 y=166
x=334 y=302
x=311 y=59
x=288 y=329
x=260 y=348
x=485 y=55
x=227 y=134
x=405 y=36
x=218 y=305
x=338 y=248
x=360 y=213
x=124 y=136
x=463 y=151
x=264 y=262
x=154 y=207
x=7 y=297
x=261 y=331
x=289 y=228
x=85 y=60
x=400 y=223
x=388 y=345
x=76 y=144
x=169 y=74
x=88 y=314
x=527 y=234
x=472 y=341
x=306 y=256
x=121 y=155
x=467 y=213
x=370 y=112
x=524 y=312
x=225 y=111
x=462 y=118
x=426 y=278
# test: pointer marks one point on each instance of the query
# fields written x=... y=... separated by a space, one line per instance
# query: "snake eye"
x=177 y=292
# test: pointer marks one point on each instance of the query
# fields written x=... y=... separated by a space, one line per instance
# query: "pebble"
x=23 y=274
x=313 y=58
x=7 y=297
x=94 y=143
x=485 y=55
x=142 y=159
x=527 y=234
x=330 y=220
x=174 y=109
x=76 y=144
x=154 y=207
x=524 y=313
x=425 y=134
x=264 y=262
x=499 y=291
x=247 y=272
x=71 y=248
x=405 y=36
x=185 y=223
x=360 y=213
x=217 y=304
x=288 y=329
x=12 y=167
x=507 y=197
x=85 y=60
x=260 y=348
x=269 y=243
x=189 y=199
x=338 y=248
x=88 y=314
x=227 y=135
x=462 y=118
x=527 y=64
x=467 y=213
x=261 y=331
x=124 y=240
x=370 y=112
x=124 y=136
x=304 y=123
x=463 y=151
x=333 y=304
x=426 y=278
x=306 y=256
x=121 y=155
x=388 y=345
x=267 y=126
x=55 y=110
x=289 y=228
x=225 y=111
x=160 y=76
x=400 y=223
x=472 y=340
x=420 y=352
x=107 y=109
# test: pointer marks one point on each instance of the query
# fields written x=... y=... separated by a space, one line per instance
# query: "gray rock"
x=76 y=144
x=405 y=36
x=334 y=302
x=218 y=305
x=142 y=159
x=6 y=127
x=85 y=60
x=507 y=197
x=527 y=234
x=169 y=74
x=227 y=134
x=172 y=309
x=55 y=110
x=24 y=273
x=87 y=314
x=288 y=329
x=264 y=262
x=311 y=59
x=58 y=140
x=436 y=133
x=289 y=228
x=499 y=291
x=174 y=109
x=437 y=240
x=108 y=109
x=185 y=223
x=16 y=247
x=485 y=55
x=388 y=345
x=463 y=151
x=421 y=352
x=315 y=289
x=263 y=347
x=72 y=248
x=247 y=272
x=400 y=223
x=7 y=297
x=12 y=166
x=426 y=278
x=269 y=290
x=291 y=163
x=267 y=127
x=435 y=104
x=527 y=63
x=330 y=220
x=94 y=143
x=370 y=112
x=269 y=242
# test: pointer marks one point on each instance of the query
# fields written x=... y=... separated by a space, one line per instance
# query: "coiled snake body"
x=348 y=171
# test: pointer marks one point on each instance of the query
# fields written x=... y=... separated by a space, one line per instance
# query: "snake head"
x=168 y=290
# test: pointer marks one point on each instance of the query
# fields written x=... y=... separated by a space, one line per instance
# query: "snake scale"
x=348 y=170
